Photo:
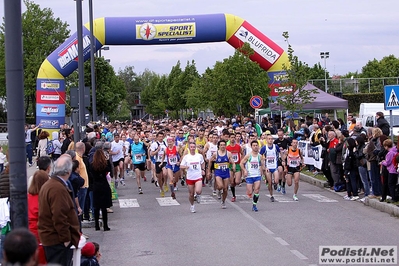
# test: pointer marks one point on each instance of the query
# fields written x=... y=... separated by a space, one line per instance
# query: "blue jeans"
x=82 y=197
x=365 y=180
x=29 y=152
x=375 y=178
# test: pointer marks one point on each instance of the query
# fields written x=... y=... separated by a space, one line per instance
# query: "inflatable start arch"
x=50 y=95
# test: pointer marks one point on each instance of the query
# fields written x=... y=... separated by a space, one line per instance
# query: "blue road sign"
x=256 y=102
x=391 y=101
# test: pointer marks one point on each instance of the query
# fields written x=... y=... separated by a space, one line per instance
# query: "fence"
x=355 y=85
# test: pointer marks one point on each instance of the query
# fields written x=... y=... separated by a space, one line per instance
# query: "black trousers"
x=59 y=254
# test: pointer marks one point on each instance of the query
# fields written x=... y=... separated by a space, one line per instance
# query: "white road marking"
x=281 y=241
x=167 y=201
x=128 y=203
x=319 y=198
x=243 y=199
x=281 y=198
x=298 y=254
x=249 y=217
x=208 y=200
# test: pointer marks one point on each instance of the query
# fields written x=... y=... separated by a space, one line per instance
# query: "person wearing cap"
x=90 y=255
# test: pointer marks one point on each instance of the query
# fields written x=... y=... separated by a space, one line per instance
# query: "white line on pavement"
x=249 y=217
x=281 y=241
x=298 y=254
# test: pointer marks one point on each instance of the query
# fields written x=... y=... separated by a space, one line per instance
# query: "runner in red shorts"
x=195 y=165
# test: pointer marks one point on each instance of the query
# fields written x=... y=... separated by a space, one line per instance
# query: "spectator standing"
x=382 y=123
x=102 y=196
x=39 y=178
x=42 y=145
x=372 y=149
x=3 y=159
x=392 y=173
x=362 y=165
x=28 y=142
x=57 y=145
x=58 y=224
x=351 y=171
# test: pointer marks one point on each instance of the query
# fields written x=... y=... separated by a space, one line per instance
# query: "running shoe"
x=355 y=198
x=123 y=182
x=233 y=199
x=283 y=190
x=152 y=180
x=214 y=193
x=165 y=188
x=347 y=197
x=223 y=205
x=145 y=179
x=192 y=209
x=219 y=194
x=162 y=194
x=363 y=199
x=156 y=184
x=173 y=195
x=278 y=188
x=198 y=199
x=275 y=186
x=140 y=191
x=176 y=188
x=272 y=199
x=116 y=183
x=294 y=197
x=254 y=208
x=182 y=182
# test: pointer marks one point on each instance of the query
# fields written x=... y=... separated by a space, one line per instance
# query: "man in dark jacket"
x=58 y=223
x=382 y=123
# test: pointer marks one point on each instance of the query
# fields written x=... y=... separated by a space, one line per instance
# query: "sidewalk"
x=373 y=203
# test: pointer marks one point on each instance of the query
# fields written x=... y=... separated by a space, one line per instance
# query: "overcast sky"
x=353 y=31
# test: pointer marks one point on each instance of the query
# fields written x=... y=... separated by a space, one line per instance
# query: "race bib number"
x=138 y=157
x=234 y=156
x=294 y=163
x=223 y=166
x=195 y=166
x=254 y=165
x=271 y=161
x=172 y=160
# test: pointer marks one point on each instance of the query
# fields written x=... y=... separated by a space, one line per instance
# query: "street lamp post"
x=325 y=55
x=105 y=48
x=80 y=128
x=92 y=66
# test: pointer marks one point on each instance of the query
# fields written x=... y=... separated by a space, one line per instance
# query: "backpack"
x=50 y=149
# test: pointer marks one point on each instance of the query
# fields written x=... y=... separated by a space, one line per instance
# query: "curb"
x=391 y=209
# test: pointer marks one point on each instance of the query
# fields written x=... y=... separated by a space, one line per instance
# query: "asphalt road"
x=282 y=233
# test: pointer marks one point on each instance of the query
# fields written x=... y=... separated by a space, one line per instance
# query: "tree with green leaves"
x=230 y=84
x=133 y=86
x=110 y=88
x=174 y=90
x=154 y=95
x=293 y=97
x=42 y=33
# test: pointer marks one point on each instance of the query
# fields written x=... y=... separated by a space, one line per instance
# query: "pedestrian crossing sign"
x=390 y=95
